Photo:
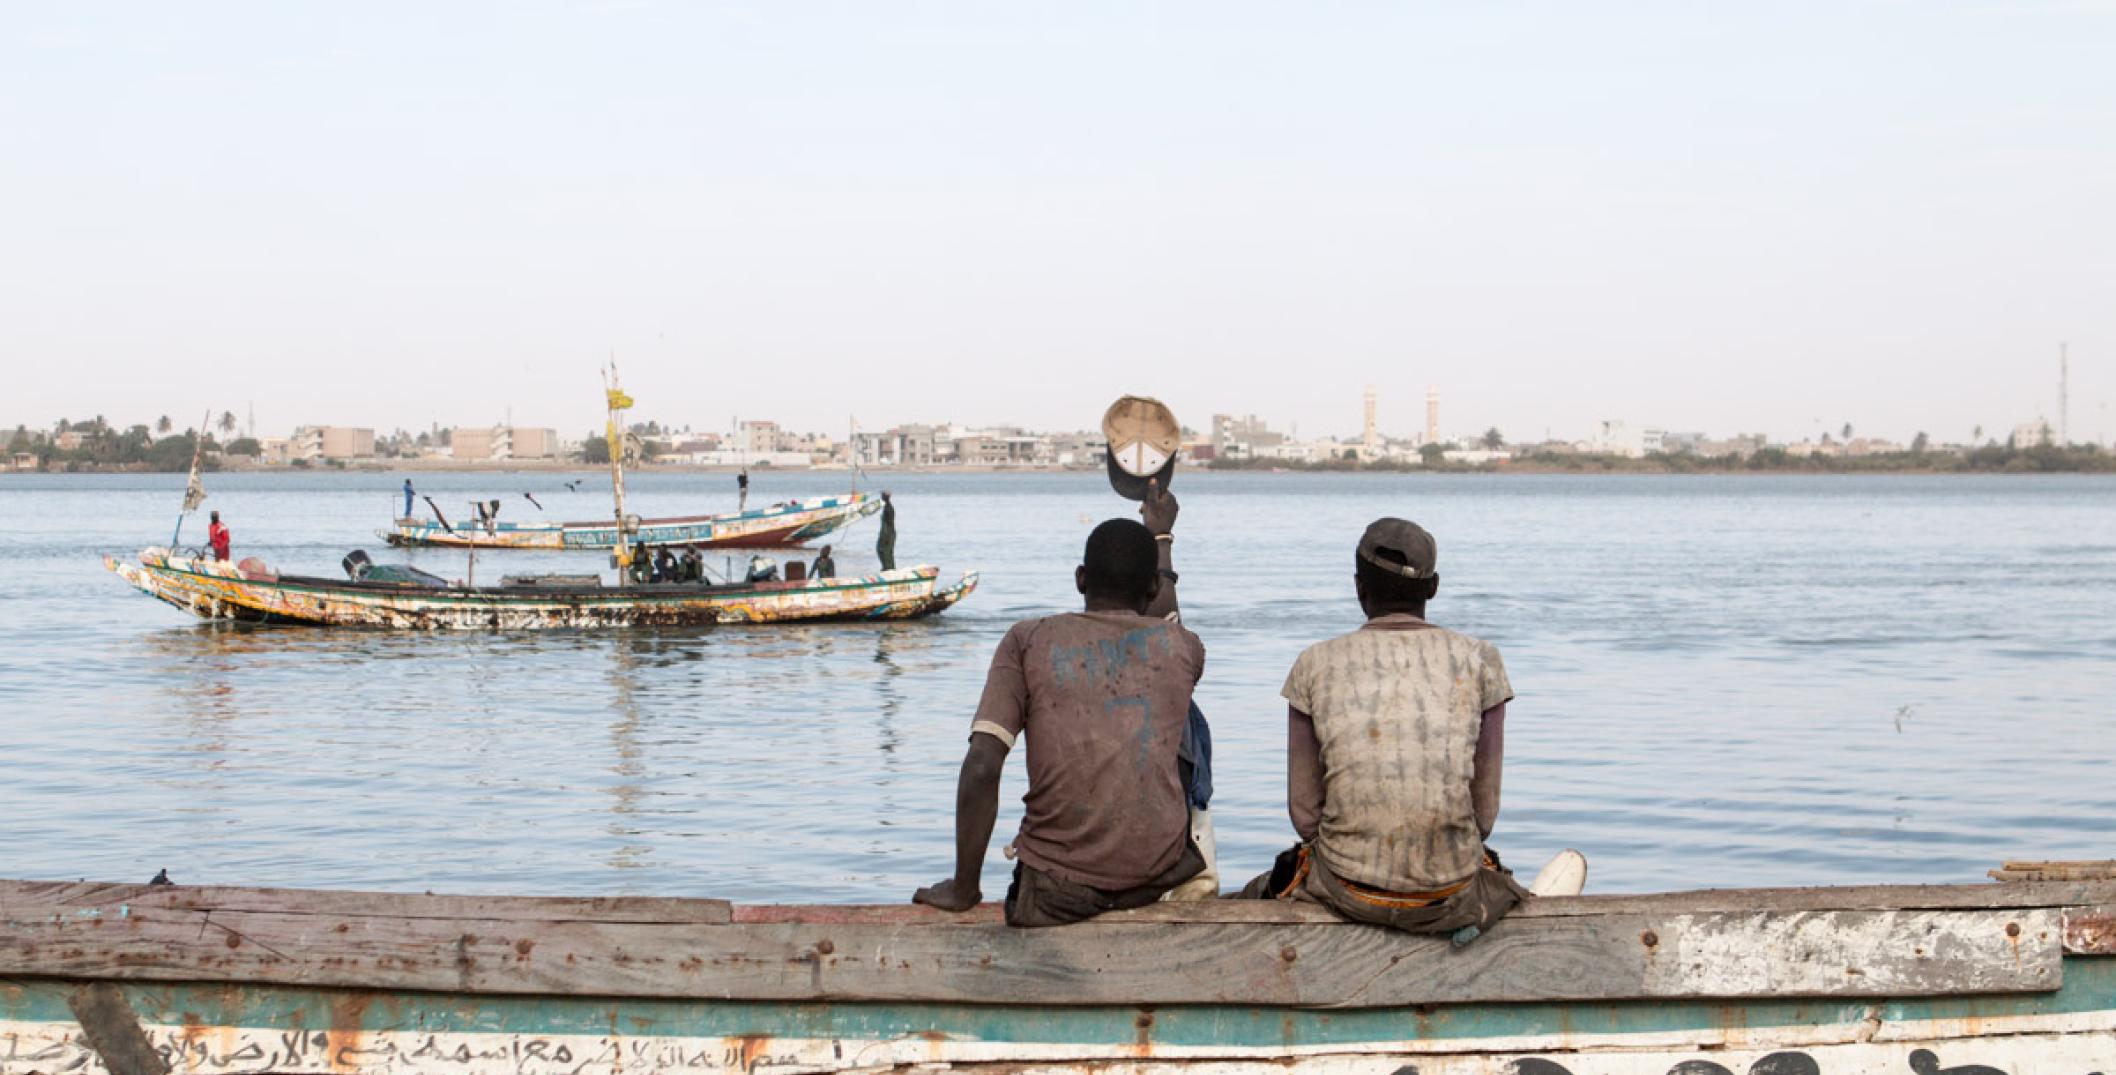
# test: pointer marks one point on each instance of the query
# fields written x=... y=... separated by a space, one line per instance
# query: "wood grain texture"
x=2090 y=931
x=113 y=1031
x=76 y=897
x=2024 y=895
x=1750 y=953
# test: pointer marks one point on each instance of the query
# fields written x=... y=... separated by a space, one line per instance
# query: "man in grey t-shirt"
x=1395 y=735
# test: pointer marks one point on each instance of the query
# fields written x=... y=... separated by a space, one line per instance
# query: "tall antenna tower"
x=2064 y=396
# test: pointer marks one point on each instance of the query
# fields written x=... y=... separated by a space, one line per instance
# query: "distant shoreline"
x=1643 y=468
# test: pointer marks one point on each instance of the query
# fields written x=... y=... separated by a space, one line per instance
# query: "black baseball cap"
x=1404 y=538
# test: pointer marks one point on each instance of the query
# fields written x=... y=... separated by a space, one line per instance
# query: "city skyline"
x=1774 y=219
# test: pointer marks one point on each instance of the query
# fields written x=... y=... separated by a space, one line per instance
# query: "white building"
x=1616 y=437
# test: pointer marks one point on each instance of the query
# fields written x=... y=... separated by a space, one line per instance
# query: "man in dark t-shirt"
x=1103 y=696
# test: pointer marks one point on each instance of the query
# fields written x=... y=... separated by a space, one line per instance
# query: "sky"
x=1699 y=216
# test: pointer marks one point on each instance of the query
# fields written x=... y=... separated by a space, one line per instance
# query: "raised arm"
x=1158 y=512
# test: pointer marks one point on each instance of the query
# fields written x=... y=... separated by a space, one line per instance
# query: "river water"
x=1722 y=680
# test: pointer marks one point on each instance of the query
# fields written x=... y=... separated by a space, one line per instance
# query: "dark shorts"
x=1035 y=898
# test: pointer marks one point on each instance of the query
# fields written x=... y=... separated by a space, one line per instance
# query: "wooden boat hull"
x=1873 y=981
x=220 y=591
x=776 y=527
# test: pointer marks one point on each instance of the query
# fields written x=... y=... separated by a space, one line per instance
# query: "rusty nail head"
x=825 y=947
x=2012 y=929
x=1288 y=954
x=1145 y=1019
x=1649 y=938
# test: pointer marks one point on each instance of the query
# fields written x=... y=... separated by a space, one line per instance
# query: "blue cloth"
x=1197 y=752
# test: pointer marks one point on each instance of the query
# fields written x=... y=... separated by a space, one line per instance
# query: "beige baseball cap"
x=1143 y=437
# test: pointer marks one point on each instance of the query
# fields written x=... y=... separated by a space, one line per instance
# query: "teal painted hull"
x=228 y=1028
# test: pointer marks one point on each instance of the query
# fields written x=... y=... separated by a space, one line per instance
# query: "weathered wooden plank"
x=1603 y=957
x=113 y=1032
x=2076 y=870
x=93 y=897
x=80 y=897
x=2090 y=931
x=1726 y=900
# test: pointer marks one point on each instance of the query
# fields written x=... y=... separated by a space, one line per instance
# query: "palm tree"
x=227 y=422
x=162 y=425
x=1847 y=431
x=1976 y=434
x=1493 y=439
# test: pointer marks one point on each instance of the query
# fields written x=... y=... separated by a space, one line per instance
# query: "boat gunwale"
x=842 y=504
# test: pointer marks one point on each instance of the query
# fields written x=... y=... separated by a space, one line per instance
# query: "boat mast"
x=615 y=434
x=194 y=489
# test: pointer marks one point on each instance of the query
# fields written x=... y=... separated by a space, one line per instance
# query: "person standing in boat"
x=407 y=498
x=218 y=538
x=824 y=567
x=1101 y=695
x=1394 y=738
x=742 y=490
x=885 y=542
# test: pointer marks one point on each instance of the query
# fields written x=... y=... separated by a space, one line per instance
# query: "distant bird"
x=161 y=877
x=572 y=485
x=533 y=500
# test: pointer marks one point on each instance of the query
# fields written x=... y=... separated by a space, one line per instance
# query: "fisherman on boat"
x=1106 y=823
x=885 y=542
x=407 y=498
x=217 y=536
x=824 y=567
x=692 y=567
x=664 y=565
x=1395 y=735
x=742 y=490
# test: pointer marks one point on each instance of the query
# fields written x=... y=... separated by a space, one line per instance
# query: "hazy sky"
x=1704 y=216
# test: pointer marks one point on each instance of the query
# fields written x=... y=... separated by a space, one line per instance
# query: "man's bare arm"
x=1158 y=512
x=976 y=811
x=1484 y=782
x=1304 y=774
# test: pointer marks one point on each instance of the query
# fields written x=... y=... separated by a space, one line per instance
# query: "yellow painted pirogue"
x=251 y=592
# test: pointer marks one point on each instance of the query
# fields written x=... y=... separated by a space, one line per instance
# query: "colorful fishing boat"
x=1988 y=979
x=776 y=527
x=400 y=598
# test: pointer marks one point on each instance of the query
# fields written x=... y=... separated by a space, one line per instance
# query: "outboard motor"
x=356 y=564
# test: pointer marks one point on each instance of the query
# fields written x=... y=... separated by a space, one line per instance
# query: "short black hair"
x=1121 y=559
x=1388 y=589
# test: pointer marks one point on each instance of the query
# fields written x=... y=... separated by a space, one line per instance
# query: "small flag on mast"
x=195 y=489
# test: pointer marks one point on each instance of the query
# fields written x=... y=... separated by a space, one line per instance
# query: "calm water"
x=1722 y=680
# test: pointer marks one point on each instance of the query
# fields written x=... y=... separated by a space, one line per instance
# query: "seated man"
x=1395 y=734
x=1103 y=697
